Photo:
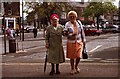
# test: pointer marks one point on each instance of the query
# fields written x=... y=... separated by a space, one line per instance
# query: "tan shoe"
x=77 y=71
x=72 y=72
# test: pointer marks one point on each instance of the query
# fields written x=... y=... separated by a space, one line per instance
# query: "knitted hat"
x=54 y=16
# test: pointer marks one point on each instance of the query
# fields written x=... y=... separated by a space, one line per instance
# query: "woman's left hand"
x=47 y=46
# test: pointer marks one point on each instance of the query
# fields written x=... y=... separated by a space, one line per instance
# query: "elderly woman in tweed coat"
x=54 y=44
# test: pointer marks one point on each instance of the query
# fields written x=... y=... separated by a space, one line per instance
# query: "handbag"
x=84 y=52
x=66 y=33
x=72 y=37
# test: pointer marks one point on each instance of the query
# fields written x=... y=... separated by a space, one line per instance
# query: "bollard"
x=12 y=45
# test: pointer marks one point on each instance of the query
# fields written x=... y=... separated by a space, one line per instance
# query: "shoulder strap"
x=81 y=29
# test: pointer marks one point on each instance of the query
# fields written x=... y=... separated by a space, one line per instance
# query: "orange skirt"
x=74 y=50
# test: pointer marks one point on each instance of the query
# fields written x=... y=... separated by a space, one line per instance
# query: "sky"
x=116 y=4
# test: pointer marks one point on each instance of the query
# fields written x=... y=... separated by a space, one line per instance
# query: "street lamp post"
x=20 y=27
x=4 y=27
x=22 y=22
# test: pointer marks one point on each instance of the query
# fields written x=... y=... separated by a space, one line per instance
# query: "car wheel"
x=93 y=34
x=98 y=34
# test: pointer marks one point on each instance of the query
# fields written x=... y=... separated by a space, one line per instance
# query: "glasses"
x=72 y=17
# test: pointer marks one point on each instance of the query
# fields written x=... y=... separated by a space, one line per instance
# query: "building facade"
x=11 y=14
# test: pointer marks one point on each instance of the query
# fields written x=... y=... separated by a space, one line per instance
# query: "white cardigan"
x=79 y=26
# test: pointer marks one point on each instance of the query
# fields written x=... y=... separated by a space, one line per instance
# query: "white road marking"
x=21 y=64
x=95 y=48
x=32 y=64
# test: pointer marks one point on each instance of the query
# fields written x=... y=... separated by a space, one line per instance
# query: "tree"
x=45 y=9
x=95 y=9
x=98 y=8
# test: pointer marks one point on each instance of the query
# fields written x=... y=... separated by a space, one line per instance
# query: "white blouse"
x=70 y=26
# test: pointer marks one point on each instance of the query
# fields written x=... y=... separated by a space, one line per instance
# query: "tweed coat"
x=54 y=39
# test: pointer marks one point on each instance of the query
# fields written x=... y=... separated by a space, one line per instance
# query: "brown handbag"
x=84 y=52
x=72 y=37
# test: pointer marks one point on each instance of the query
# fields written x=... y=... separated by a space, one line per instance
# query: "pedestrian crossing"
x=41 y=59
x=67 y=63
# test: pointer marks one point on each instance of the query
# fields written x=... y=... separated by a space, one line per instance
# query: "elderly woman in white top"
x=74 y=31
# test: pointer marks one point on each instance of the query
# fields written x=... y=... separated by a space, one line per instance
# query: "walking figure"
x=75 y=44
x=35 y=32
x=54 y=45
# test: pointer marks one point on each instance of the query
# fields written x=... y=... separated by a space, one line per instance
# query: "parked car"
x=92 y=31
x=117 y=30
x=1 y=31
x=112 y=29
x=28 y=29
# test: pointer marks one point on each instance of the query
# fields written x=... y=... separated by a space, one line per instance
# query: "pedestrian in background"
x=74 y=42
x=8 y=32
x=12 y=32
x=17 y=29
x=35 y=32
x=54 y=45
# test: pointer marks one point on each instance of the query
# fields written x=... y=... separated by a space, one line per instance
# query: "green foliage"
x=45 y=9
x=109 y=7
x=97 y=8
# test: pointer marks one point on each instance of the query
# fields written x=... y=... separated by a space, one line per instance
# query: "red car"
x=92 y=31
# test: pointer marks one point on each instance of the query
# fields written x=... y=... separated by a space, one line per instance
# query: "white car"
x=112 y=28
x=29 y=28
x=1 y=31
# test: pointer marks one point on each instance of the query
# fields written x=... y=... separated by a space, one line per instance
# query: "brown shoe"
x=52 y=72
x=57 y=72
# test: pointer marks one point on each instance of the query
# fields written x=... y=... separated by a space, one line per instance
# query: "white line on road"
x=95 y=48
x=32 y=64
